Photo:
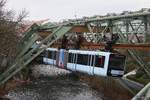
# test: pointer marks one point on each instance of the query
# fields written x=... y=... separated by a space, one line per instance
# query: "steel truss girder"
x=137 y=57
x=130 y=29
x=25 y=57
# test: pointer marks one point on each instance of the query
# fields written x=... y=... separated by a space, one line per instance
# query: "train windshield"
x=117 y=61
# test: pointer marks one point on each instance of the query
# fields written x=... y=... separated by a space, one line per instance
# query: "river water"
x=55 y=84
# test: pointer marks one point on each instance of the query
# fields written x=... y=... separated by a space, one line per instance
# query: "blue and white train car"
x=62 y=58
x=91 y=62
x=50 y=56
x=96 y=62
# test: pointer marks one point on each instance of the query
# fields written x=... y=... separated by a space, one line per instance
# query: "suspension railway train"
x=90 y=62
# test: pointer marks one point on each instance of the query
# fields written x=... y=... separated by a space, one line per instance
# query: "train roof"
x=90 y=52
x=52 y=49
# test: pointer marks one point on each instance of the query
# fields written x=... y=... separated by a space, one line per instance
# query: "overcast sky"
x=56 y=10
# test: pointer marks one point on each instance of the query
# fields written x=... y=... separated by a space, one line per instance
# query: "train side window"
x=54 y=55
x=46 y=53
x=82 y=59
x=49 y=55
x=70 y=58
x=93 y=59
x=89 y=60
x=99 y=61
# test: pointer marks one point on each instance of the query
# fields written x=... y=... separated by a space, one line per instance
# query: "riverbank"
x=59 y=88
x=105 y=87
x=11 y=85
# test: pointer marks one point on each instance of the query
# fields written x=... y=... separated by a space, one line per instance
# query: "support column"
x=146 y=31
x=110 y=25
x=127 y=29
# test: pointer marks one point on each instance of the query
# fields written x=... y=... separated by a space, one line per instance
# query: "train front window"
x=116 y=61
x=99 y=61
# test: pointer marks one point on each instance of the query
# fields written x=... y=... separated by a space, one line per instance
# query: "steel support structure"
x=26 y=56
x=133 y=28
x=144 y=94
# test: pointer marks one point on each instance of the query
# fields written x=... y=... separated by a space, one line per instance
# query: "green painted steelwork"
x=137 y=58
x=144 y=94
x=126 y=25
x=33 y=53
x=28 y=45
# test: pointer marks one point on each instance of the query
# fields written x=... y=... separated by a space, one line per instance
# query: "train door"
x=90 y=64
x=83 y=63
x=101 y=64
x=65 y=58
x=54 y=57
x=72 y=59
x=57 y=58
x=61 y=58
x=50 y=57
x=45 y=58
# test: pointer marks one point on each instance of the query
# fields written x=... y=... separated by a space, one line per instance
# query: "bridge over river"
x=133 y=29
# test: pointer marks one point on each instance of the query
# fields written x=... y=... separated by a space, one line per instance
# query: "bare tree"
x=9 y=23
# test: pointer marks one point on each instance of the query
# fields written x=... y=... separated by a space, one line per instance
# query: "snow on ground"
x=130 y=73
x=48 y=70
